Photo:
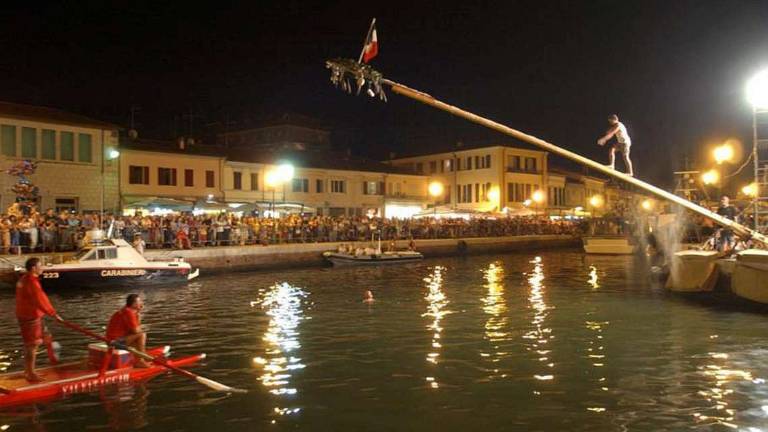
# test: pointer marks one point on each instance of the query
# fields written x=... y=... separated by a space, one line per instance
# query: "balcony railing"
x=514 y=169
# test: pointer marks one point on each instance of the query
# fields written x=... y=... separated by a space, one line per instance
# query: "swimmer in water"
x=368 y=297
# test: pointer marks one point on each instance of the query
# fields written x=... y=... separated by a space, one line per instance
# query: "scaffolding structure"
x=760 y=156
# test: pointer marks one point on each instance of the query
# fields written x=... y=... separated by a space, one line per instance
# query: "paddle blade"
x=219 y=386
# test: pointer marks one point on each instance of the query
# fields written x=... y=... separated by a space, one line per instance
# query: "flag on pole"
x=371 y=47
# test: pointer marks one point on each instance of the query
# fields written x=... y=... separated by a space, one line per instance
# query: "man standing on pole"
x=31 y=305
x=623 y=142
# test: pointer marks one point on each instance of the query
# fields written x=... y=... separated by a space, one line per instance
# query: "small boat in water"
x=348 y=255
x=84 y=376
x=693 y=271
x=749 y=279
x=113 y=263
x=609 y=245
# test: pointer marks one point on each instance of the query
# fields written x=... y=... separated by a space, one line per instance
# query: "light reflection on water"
x=436 y=304
x=495 y=306
x=539 y=336
x=283 y=304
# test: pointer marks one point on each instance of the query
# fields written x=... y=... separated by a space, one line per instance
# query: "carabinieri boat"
x=83 y=376
x=113 y=263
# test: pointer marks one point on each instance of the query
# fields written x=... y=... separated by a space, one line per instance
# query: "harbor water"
x=555 y=340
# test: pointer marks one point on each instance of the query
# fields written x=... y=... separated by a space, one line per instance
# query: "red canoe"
x=79 y=377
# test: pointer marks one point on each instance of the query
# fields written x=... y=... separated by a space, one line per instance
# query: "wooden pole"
x=431 y=101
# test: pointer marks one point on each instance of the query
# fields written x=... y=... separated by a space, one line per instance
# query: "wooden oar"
x=160 y=361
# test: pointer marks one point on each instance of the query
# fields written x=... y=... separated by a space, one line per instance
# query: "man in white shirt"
x=623 y=142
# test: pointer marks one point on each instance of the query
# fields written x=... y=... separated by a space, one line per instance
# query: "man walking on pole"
x=623 y=143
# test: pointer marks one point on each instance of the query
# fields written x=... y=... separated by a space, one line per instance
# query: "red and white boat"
x=84 y=376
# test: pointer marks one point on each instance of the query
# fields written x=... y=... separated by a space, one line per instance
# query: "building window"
x=478 y=165
x=254 y=181
x=477 y=192
x=319 y=185
x=138 y=174
x=420 y=168
x=469 y=163
x=300 y=185
x=29 y=142
x=189 y=178
x=209 y=179
x=513 y=163
x=67 y=146
x=338 y=186
x=65 y=204
x=487 y=161
x=442 y=166
x=84 y=150
x=432 y=167
x=373 y=188
x=166 y=176
x=530 y=165
x=449 y=164
x=237 y=180
x=8 y=136
x=447 y=195
x=48 y=138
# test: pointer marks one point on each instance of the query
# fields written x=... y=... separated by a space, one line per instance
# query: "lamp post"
x=538 y=198
x=279 y=176
x=595 y=202
x=108 y=154
x=757 y=95
x=435 y=190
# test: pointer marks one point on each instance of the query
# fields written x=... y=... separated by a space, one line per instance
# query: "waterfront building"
x=167 y=175
x=489 y=178
x=74 y=172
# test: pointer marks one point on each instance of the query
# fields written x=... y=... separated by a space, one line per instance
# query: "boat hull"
x=101 y=277
x=693 y=271
x=371 y=260
x=71 y=378
x=608 y=246
x=750 y=276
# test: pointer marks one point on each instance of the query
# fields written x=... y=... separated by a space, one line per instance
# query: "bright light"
x=113 y=154
x=235 y=205
x=494 y=194
x=723 y=153
x=401 y=211
x=271 y=179
x=757 y=90
x=750 y=190
x=527 y=203
x=596 y=201
x=285 y=172
x=435 y=189
x=538 y=197
x=578 y=209
x=647 y=204
x=710 y=177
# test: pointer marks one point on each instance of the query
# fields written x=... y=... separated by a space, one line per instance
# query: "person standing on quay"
x=623 y=143
x=31 y=305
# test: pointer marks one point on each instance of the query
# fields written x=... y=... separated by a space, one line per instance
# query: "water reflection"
x=283 y=303
x=495 y=306
x=596 y=355
x=539 y=335
x=725 y=377
x=436 y=304
x=592 y=281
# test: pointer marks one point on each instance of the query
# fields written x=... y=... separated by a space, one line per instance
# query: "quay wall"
x=236 y=258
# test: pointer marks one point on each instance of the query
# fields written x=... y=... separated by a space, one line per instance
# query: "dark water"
x=550 y=341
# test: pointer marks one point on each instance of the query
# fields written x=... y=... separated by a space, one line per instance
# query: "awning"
x=286 y=206
x=160 y=202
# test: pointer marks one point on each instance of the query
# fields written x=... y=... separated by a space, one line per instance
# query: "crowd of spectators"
x=52 y=232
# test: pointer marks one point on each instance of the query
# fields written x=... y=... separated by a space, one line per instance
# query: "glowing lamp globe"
x=757 y=90
x=435 y=189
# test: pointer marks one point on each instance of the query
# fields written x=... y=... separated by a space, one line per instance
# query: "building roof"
x=317 y=159
x=50 y=115
x=284 y=119
x=464 y=147
x=167 y=146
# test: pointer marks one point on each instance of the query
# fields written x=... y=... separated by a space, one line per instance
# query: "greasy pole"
x=431 y=101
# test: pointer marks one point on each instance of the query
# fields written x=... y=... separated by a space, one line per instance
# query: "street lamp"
x=595 y=201
x=538 y=198
x=493 y=196
x=710 y=177
x=279 y=176
x=750 y=190
x=110 y=154
x=648 y=204
x=435 y=190
x=723 y=153
x=757 y=95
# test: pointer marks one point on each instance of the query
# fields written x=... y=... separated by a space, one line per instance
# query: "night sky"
x=674 y=71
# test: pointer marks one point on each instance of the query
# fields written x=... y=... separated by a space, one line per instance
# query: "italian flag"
x=371 y=48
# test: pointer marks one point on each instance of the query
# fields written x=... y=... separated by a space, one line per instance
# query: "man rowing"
x=125 y=327
x=31 y=306
x=623 y=143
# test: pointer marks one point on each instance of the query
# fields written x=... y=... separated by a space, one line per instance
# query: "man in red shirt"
x=31 y=305
x=125 y=327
